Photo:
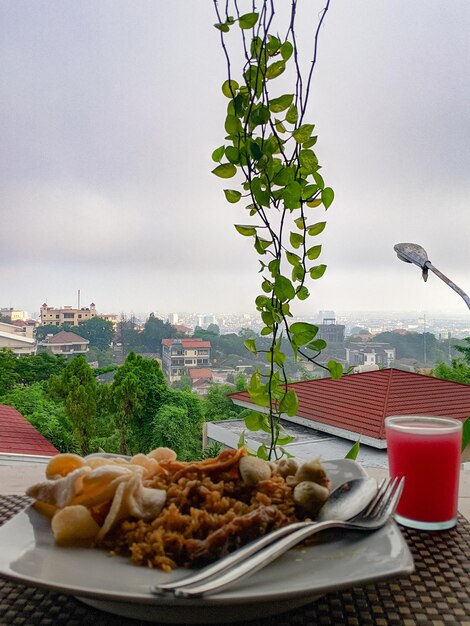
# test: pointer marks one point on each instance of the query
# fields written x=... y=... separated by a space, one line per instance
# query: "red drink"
x=426 y=450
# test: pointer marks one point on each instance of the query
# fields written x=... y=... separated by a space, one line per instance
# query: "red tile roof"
x=187 y=343
x=65 y=337
x=361 y=402
x=18 y=436
x=199 y=372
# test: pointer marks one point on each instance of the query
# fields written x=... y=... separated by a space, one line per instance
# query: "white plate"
x=28 y=555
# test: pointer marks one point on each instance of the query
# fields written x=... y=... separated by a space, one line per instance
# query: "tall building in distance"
x=330 y=331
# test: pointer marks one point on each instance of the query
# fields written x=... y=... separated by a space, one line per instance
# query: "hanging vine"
x=269 y=145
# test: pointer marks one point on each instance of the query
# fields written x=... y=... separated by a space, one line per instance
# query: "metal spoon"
x=343 y=503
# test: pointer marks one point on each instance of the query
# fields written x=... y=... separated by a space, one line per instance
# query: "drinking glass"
x=426 y=451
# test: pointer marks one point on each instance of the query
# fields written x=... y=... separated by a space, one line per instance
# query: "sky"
x=110 y=111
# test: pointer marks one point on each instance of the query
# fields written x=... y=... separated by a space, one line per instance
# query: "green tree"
x=184 y=382
x=98 y=331
x=8 y=373
x=38 y=367
x=47 y=416
x=144 y=400
x=214 y=329
x=155 y=330
x=76 y=384
x=47 y=329
x=458 y=371
x=465 y=350
x=178 y=425
x=218 y=406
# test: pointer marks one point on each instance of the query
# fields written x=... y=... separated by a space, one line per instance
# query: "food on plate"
x=166 y=513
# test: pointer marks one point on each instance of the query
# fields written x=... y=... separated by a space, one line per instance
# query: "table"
x=436 y=594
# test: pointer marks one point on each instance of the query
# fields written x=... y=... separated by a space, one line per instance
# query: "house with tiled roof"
x=65 y=343
x=334 y=413
x=19 y=437
x=356 y=405
x=17 y=339
x=179 y=356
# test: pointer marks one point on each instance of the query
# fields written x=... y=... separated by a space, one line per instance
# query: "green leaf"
x=300 y=222
x=275 y=69
x=303 y=293
x=225 y=170
x=298 y=273
x=319 y=180
x=303 y=332
x=292 y=115
x=232 y=125
x=248 y=20
x=218 y=154
x=314 y=252
x=250 y=344
x=246 y=231
x=261 y=245
x=262 y=453
x=283 y=288
x=284 y=176
x=291 y=195
x=284 y=439
x=260 y=115
x=311 y=142
x=317 y=271
x=232 y=195
x=273 y=45
x=232 y=154
x=286 y=50
x=317 y=344
x=229 y=88
x=292 y=258
x=289 y=403
x=222 y=27
x=255 y=150
x=353 y=452
x=308 y=161
x=261 y=195
x=303 y=133
x=253 y=421
x=327 y=196
x=465 y=433
x=296 y=240
x=316 y=229
x=335 y=369
x=314 y=203
x=309 y=191
x=280 y=104
x=266 y=286
x=267 y=330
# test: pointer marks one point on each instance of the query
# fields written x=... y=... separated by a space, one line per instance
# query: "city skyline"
x=108 y=129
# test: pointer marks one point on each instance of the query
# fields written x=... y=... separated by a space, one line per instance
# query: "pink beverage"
x=426 y=450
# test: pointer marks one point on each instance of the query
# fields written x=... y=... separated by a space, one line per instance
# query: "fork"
x=252 y=557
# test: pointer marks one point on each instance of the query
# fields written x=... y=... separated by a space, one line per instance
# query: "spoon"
x=348 y=499
x=343 y=503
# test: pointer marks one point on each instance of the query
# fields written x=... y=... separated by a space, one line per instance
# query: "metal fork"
x=252 y=557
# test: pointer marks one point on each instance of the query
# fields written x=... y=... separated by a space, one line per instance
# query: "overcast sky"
x=110 y=110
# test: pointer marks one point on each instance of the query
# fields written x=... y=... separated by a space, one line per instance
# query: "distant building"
x=66 y=315
x=17 y=339
x=64 y=343
x=369 y=353
x=13 y=314
x=205 y=320
x=201 y=379
x=180 y=355
x=173 y=318
x=330 y=331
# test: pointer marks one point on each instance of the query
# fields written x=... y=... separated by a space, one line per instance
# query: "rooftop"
x=357 y=404
x=19 y=437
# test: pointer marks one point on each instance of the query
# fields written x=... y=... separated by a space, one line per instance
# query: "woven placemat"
x=436 y=594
